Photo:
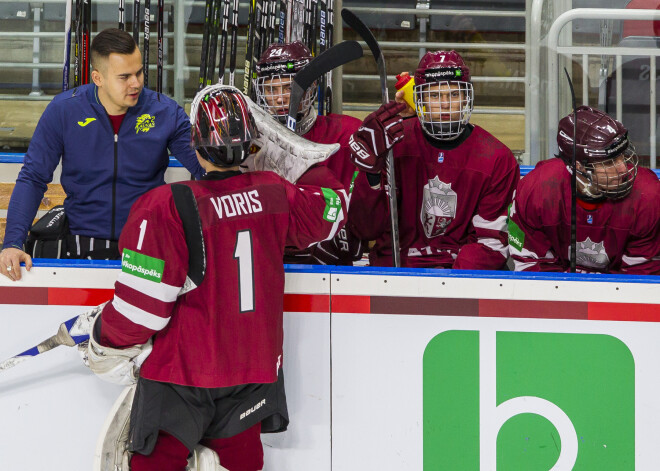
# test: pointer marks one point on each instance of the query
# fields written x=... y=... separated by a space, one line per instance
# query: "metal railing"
x=555 y=50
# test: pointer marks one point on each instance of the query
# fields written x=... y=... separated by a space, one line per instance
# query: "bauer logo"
x=141 y=265
x=528 y=401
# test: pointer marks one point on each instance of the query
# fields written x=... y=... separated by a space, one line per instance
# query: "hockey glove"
x=378 y=134
x=119 y=366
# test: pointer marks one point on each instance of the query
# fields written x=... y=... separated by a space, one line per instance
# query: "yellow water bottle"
x=406 y=83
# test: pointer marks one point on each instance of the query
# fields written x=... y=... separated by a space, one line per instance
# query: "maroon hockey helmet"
x=272 y=83
x=608 y=160
x=441 y=66
x=280 y=59
x=222 y=126
x=444 y=96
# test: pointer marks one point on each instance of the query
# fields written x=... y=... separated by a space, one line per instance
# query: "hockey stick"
x=312 y=22
x=359 y=27
x=234 y=43
x=147 y=26
x=272 y=12
x=327 y=94
x=252 y=26
x=307 y=24
x=340 y=54
x=573 y=261
x=296 y=27
x=136 y=22
x=223 y=42
x=67 y=46
x=263 y=29
x=205 y=43
x=78 y=44
x=87 y=20
x=283 y=15
x=159 y=33
x=213 y=47
x=70 y=333
x=323 y=45
x=122 y=13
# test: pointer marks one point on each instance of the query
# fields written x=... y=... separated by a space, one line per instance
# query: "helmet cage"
x=600 y=179
x=221 y=126
x=434 y=101
x=274 y=92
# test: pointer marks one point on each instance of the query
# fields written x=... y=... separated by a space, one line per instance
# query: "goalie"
x=202 y=280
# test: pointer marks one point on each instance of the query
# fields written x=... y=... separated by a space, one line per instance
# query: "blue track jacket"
x=102 y=173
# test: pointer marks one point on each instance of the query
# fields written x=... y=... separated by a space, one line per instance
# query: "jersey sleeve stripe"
x=498 y=224
x=631 y=261
x=139 y=316
x=161 y=291
x=495 y=245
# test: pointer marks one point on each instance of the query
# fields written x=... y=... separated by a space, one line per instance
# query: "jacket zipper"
x=114 y=193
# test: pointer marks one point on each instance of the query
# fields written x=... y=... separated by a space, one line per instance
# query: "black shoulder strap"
x=186 y=206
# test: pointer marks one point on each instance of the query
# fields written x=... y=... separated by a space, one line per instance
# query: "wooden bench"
x=54 y=196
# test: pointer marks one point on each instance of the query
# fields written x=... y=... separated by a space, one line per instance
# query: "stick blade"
x=331 y=58
x=340 y=54
x=363 y=30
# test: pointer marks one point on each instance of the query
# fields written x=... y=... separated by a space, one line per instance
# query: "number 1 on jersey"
x=243 y=253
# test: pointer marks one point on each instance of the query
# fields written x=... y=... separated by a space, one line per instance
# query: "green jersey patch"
x=143 y=266
x=516 y=236
x=332 y=205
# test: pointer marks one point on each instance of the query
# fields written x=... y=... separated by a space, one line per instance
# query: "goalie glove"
x=281 y=150
x=115 y=365
x=379 y=132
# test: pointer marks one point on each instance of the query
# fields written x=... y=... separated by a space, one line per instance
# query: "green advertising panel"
x=588 y=378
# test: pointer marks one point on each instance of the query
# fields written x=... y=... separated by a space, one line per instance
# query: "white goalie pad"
x=283 y=151
x=115 y=365
x=111 y=452
x=204 y=459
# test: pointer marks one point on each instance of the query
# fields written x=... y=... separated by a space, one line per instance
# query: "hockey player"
x=454 y=180
x=275 y=70
x=214 y=374
x=618 y=215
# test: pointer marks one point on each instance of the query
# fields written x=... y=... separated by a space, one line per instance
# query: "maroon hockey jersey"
x=452 y=203
x=616 y=236
x=227 y=330
x=344 y=248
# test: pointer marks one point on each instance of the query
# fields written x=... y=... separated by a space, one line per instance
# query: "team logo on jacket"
x=591 y=254
x=438 y=207
x=144 y=123
x=82 y=124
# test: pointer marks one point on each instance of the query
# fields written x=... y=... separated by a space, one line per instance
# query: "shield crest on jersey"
x=591 y=254
x=438 y=207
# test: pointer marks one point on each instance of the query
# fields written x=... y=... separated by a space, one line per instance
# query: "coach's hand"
x=10 y=263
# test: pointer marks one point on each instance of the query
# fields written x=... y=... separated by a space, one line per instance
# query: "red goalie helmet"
x=444 y=96
x=222 y=127
x=607 y=160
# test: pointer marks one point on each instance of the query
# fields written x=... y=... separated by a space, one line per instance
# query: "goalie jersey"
x=228 y=330
x=614 y=236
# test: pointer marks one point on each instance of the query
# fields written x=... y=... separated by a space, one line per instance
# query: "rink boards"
x=387 y=370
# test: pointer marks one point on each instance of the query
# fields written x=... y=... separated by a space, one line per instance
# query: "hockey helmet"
x=444 y=96
x=222 y=127
x=274 y=74
x=608 y=162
